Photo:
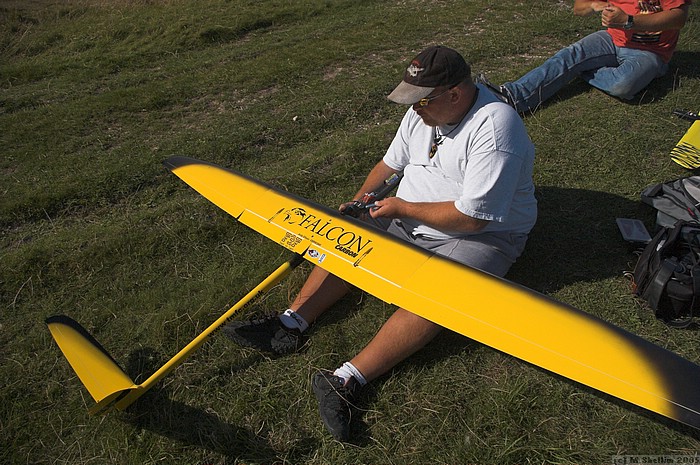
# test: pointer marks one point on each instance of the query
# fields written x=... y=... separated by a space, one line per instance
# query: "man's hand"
x=390 y=207
x=353 y=209
x=599 y=6
x=344 y=206
x=614 y=17
x=587 y=7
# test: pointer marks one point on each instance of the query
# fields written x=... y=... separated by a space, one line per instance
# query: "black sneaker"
x=335 y=402
x=266 y=334
x=499 y=91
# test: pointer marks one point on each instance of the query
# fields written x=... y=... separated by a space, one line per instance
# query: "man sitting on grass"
x=622 y=60
x=467 y=194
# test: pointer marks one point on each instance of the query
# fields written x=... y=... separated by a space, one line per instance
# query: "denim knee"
x=623 y=90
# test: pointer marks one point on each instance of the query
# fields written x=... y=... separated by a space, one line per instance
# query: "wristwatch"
x=629 y=24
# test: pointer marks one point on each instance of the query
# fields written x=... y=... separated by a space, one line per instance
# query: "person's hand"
x=390 y=207
x=349 y=208
x=599 y=6
x=343 y=206
x=614 y=17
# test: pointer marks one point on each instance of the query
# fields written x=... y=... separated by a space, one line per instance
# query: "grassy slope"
x=94 y=95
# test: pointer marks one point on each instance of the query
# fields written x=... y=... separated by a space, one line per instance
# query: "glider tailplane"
x=96 y=369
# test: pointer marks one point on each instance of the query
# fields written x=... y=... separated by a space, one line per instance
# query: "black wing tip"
x=62 y=319
x=77 y=327
x=177 y=161
x=70 y=322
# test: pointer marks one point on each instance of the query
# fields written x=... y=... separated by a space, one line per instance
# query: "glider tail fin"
x=97 y=370
x=102 y=376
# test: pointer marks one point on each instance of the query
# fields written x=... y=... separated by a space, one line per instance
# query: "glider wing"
x=488 y=309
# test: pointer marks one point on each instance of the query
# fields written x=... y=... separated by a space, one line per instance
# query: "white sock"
x=292 y=320
x=347 y=371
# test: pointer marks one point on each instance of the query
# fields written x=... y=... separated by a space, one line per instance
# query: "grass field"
x=95 y=94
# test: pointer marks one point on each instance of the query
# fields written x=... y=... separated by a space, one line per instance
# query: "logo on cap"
x=413 y=69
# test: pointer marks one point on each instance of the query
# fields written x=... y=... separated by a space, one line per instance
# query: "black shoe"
x=499 y=91
x=335 y=402
x=266 y=334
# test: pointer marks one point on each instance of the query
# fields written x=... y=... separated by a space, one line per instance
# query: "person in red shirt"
x=621 y=60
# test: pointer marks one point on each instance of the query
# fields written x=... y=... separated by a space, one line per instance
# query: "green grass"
x=94 y=95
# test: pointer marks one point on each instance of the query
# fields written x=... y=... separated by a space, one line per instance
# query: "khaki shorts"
x=492 y=252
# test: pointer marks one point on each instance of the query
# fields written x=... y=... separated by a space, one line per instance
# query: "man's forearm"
x=440 y=215
x=444 y=216
x=662 y=21
x=375 y=179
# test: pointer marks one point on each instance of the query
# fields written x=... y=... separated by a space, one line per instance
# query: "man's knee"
x=636 y=71
x=623 y=91
x=627 y=89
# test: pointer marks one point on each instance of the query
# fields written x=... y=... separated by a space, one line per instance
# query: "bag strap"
x=653 y=292
x=695 y=280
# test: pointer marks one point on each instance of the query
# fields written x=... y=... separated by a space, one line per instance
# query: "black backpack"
x=667 y=274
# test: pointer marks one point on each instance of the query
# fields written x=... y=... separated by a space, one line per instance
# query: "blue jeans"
x=619 y=71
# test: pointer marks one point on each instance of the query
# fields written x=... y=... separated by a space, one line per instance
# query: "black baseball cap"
x=433 y=67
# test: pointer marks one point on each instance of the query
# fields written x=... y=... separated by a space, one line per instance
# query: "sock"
x=291 y=320
x=348 y=371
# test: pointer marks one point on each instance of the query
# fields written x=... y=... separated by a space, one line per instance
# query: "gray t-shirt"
x=485 y=165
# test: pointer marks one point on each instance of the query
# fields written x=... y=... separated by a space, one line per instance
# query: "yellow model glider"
x=491 y=310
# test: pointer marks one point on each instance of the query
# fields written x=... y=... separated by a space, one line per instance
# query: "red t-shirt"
x=662 y=43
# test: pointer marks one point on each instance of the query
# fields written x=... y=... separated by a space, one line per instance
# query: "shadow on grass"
x=683 y=66
x=446 y=345
x=669 y=423
x=576 y=239
x=159 y=414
